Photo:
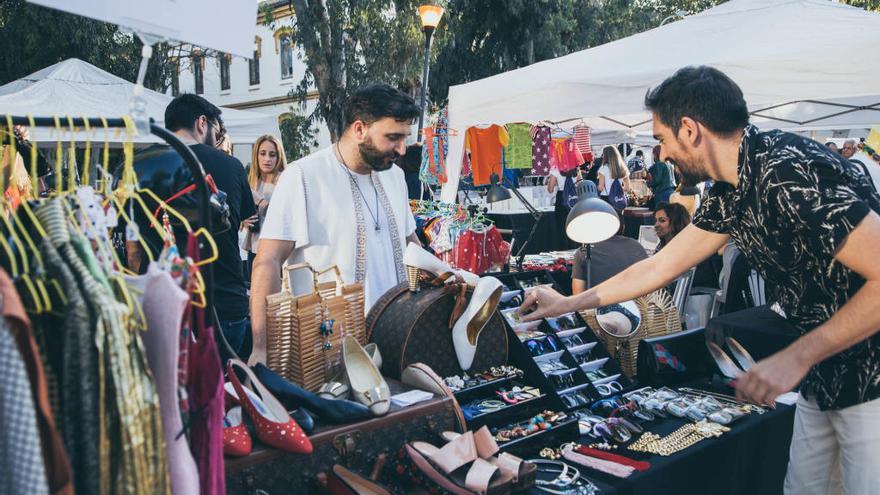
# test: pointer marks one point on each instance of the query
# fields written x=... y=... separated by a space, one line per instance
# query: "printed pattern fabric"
x=21 y=460
x=518 y=153
x=582 y=141
x=477 y=251
x=485 y=147
x=795 y=204
x=568 y=157
x=540 y=150
x=433 y=169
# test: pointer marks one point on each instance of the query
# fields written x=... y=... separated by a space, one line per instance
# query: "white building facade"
x=261 y=84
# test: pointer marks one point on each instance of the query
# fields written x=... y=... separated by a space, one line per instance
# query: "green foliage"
x=298 y=136
x=34 y=37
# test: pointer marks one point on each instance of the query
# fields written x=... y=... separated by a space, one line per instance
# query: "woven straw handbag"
x=659 y=317
x=301 y=344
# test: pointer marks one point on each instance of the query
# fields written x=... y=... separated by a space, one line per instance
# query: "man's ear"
x=689 y=131
x=359 y=130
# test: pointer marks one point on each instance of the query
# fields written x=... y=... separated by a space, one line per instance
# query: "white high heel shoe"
x=337 y=387
x=466 y=330
x=416 y=259
x=364 y=379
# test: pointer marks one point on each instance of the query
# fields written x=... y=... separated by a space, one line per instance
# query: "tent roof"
x=778 y=51
x=78 y=89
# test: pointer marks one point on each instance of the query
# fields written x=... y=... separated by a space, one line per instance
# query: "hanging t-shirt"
x=485 y=147
x=568 y=157
x=540 y=150
x=582 y=141
x=518 y=153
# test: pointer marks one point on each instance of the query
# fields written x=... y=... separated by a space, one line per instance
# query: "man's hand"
x=543 y=302
x=772 y=377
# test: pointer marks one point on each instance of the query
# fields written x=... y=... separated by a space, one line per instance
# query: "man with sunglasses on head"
x=198 y=124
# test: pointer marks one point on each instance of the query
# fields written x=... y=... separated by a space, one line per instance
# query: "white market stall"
x=801 y=54
x=76 y=88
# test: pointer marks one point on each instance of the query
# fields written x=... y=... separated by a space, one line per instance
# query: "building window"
x=225 y=61
x=254 y=68
x=286 y=48
x=199 y=73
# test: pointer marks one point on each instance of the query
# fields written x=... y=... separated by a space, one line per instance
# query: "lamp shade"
x=430 y=15
x=591 y=219
x=497 y=192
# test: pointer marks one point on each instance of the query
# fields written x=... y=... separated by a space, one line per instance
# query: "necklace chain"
x=356 y=185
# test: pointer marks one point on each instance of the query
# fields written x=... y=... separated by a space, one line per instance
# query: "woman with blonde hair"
x=613 y=178
x=267 y=163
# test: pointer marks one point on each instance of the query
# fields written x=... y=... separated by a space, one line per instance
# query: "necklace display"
x=678 y=440
x=351 y=177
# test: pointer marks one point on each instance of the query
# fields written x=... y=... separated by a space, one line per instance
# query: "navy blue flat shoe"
x=294 y=397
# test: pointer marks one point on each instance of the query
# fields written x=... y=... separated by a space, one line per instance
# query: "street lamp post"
x=429 y=15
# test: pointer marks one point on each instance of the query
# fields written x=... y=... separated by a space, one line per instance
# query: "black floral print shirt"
x=795 y=203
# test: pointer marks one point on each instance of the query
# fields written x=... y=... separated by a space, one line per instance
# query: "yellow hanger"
x=25 y=205
x=24 y=233
x=58 y=158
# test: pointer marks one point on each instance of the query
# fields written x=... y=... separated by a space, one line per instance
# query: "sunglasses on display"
x=596 y=375
x=546 y=345
x=514 y=302
x=573 y=341
x=563 y=380
x=575 y=399
x=562 y=323
x=551 y=366
x=609 y=388
x=583 y=357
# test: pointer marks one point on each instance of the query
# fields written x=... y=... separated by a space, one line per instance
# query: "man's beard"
x=690 y=176
x=375 y=159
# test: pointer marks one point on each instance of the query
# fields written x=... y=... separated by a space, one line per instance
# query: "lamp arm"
x=529 y=206
x=536 y=214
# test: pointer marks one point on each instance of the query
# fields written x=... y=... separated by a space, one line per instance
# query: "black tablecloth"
x=750 y=459
x=546 y=238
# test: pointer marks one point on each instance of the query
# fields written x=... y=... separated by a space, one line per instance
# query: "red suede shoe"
x=236 y=439
x=274 y=425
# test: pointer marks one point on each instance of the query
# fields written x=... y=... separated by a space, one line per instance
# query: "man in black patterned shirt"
x=807 y=220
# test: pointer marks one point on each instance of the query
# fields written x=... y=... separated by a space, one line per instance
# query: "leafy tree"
x=297 y=135
x=34 y=37
x=348 y=43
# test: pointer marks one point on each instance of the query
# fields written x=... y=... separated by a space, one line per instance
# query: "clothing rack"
x=189 y=158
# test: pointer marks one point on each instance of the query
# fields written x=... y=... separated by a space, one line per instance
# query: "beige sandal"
x=522 y=474
x=448 y=467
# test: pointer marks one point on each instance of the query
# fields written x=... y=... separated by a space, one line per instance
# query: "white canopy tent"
x=784 y=54
x=78 y=89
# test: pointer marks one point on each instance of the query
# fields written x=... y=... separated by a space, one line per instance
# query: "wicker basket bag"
x=659 y=317
x=302 y=345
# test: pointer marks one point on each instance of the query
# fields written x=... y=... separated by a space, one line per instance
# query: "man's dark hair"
x=679 y=218
x=184 y=110
x=377 y=101
x=639 y=153
x=702 y=93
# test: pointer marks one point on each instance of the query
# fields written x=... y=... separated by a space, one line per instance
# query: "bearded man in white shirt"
x=344 y=205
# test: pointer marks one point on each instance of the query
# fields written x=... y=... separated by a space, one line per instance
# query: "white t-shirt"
x=605 y=171
x=381 y=272
x=872 y=166
x=313 y=206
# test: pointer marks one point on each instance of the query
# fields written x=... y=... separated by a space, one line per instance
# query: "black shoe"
x=294 y=397
x=304 y=420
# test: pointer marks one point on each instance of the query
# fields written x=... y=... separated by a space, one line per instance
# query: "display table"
x=751 y=458
x=546 y=236
x=634 y=218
